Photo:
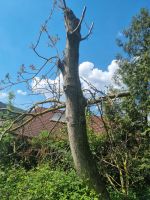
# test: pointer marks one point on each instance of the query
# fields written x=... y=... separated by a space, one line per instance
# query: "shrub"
x=43 y=183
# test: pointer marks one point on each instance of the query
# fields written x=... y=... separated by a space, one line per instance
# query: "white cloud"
x=48 y=87
x=98 y=78
x=21 y=92
x=3 y=95
x=95 y=76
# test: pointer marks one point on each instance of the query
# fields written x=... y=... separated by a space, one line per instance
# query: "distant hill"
x=4 y=105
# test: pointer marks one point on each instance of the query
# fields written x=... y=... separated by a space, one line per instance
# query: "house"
x=55 y=123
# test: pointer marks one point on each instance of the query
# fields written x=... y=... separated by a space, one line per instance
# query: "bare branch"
x=89 y=33
x=64 y=2
x=37 y=53
x=43 y=29
x=104 y=98
x=80 y=22
x=92 y=87
x=46 y=101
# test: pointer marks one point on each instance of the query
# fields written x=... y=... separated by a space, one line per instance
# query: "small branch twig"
x=89 y=33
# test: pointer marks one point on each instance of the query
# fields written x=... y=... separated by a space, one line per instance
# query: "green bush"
x=52 y=150
x=43 y=184
x=30 y=152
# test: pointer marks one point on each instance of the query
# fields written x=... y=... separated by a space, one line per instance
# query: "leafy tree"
x=134 y=68
x=126 y=160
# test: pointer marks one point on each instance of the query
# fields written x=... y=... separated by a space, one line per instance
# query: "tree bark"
x=75 y=108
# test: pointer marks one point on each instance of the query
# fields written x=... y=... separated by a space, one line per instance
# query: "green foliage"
x=30 y=152
x=134 y=70
x=43 y=183
x=13 y=152
x=124 y=161
x=6 y=150
x=54 y=179
x=124 y=155
x=119 y=196
x=55 y=151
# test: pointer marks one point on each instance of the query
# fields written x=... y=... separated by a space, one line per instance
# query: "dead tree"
x=76 y=103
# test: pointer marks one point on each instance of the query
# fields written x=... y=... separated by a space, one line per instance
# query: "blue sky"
x=20 y=21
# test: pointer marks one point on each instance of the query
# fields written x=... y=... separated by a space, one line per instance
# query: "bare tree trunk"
x=75 y=108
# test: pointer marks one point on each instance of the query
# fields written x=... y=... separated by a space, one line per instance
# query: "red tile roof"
x=96 y=124
x=45 y=122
